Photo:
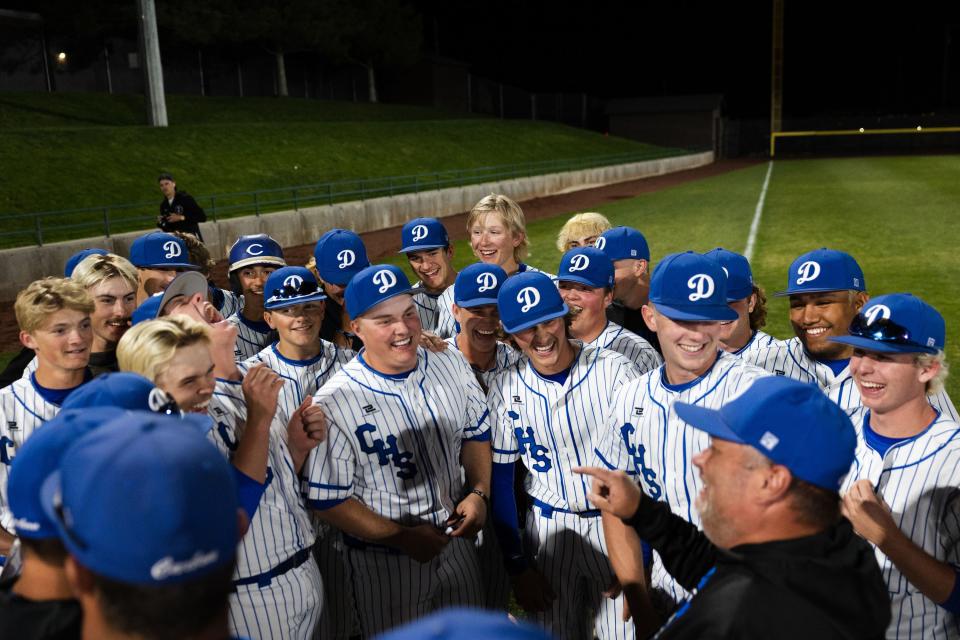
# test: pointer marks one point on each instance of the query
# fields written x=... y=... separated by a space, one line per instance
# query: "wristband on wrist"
x=485 y=497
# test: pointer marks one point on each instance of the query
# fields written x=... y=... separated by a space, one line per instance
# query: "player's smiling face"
x=188 y=377
x=433 y=268
x=888 y=381
x=390 y=332
x=817 y=317
x=298 y=325
x=479 y=326
x=726 y=473
x=587 y=306
x=547 y=346
x=253 y=278
x=493 y=242
x=195 y=306
x=689 y=348
x=736 y=333
x=114 y=301
x=62 y=341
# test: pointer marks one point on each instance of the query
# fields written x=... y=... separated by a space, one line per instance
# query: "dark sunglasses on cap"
x=883 y=330
x=287 y=291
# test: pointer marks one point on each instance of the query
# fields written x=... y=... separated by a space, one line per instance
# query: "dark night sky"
x=840 y=57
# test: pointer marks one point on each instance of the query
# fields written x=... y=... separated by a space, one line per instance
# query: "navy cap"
x=897 y=323
x=478 y=284
x=739 y=274
x=124 y=390
x=466 y=624
x=689 y=286
x=792 y=423
x=527 y=299
x=586 y=265
x=423 y=233
x=623 y=243
x=79 y=257
x=291 y=286
x=143 y=500
x=824 y=270
x=340 y=255
x=160 y=250
x=255 y=249
x=38 y=458
x=149 y=309
x=372 y=286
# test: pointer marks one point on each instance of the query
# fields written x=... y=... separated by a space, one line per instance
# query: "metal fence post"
x=213 y=207
x=296 y=203
x=37 y=230
x=329 y=193
x=106 y=221
x=416 y=184
x=256 y=204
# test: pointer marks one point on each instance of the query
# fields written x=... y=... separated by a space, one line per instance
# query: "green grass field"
x=895 y=215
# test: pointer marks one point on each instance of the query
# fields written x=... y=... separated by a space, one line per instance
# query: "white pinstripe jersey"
x=506 y=357
x=446 y=325
x=554 y=427
x=22 y=411
x=232 y=303
x=301 y=378
x=919 y=479
x=427 y=308
x=628 y=344
x=394 y=444
x=251 y=340
x=759 y=340
x=281 y=526
x=788 y=358
x=645 y=438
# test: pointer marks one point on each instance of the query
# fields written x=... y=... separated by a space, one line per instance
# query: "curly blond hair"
x=40 y=298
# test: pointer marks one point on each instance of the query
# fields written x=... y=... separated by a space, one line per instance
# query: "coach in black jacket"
x=775 y=559
x=178 y=210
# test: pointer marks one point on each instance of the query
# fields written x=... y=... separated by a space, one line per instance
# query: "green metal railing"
x=38 y=228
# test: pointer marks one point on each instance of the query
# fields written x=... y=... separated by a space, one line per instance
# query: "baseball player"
x=252 y=260
x=582 y=230
x=585 y=280
x=158 y=257
x=630 y=253
x=544 y=411
x=226 y=302
x=428 y=249
x=279 y=592
x=827 y=290
x=339 y=255
x=644 y=437
x=498 y=235
x=78 y=257
x=746 y=298
x=406 y=426
x=901 y=492
x=54 y=319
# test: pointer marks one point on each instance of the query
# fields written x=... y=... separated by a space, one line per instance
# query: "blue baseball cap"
x=527 y=299
x=824 y=270
x=143 y=500
x=256 y=249
x=187 y=284
x=79 y=257
x=478 y=285
x=460 y=623
x=689 y=286
x=792 y=423
x=149 y=309
x=623 y=243
x=739 y=274
x=897 y=323
x=160 y=250
x=124 y=390
x=373 y=285
x=39 y=457
x=340 y=255
x=586 y=265
x=423 y=233
x=290 y=286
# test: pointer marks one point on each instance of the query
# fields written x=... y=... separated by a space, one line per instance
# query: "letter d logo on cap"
x=600 y=243
x=346 y=258
x=701 y=285
x=293 y=282
x=529 y=297
x=579 y=262
x=808 y=271
x=419 y=232
x=487 y=281
x=385 y=279
x=172 y=249
x=876 y=310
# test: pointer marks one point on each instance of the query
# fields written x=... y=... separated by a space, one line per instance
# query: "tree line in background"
x=372 y=34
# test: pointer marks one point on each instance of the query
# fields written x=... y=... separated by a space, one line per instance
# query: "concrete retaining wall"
x=23 y=265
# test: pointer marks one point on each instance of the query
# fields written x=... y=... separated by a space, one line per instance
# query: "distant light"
x=62 y=57
x=919 y=128
x=861 y=129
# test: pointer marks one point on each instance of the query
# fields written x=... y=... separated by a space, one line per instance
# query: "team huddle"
x=330 y=451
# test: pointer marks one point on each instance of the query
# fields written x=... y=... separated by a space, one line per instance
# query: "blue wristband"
x=249 y=492
x=952 y=603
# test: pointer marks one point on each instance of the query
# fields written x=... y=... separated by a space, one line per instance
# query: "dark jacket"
x=827 y=585
x=632 y=320
x=184 y=204
x=37 y=619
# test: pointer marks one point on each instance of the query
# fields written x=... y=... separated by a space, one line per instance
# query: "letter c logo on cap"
x=487 y=281
x=808 y=271
x=419 y=232
x=528 y=297
x=579 y=262
x=172 y=248
x=385 y=279
x=346 y=257
x=877 y=310
x=701 y=285
x=259 y=250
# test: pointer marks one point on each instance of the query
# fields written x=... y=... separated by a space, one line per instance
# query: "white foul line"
x=755 y=225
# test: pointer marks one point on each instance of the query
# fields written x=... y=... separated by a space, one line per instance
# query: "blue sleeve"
x=249 y=492
x=952 y=603
x=505 y=523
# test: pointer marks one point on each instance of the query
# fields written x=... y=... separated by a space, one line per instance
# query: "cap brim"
x=882 y=347
x=791 y=292
x=341 y=278
x=170 y=265
x=706 y=420
x=411 y=291
x=50 y=488
x=734 y=296
x=532 y=323
x=422 y=247
x=245 y=262
x=291 y=302
x=579 y=280
x=702 y=313
x=474 y=302
x=186 y=284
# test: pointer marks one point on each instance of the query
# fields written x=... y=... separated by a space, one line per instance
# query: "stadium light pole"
x=152 y=67
x=776 y=70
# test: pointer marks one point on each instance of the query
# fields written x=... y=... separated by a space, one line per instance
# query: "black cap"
x=166 y=176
